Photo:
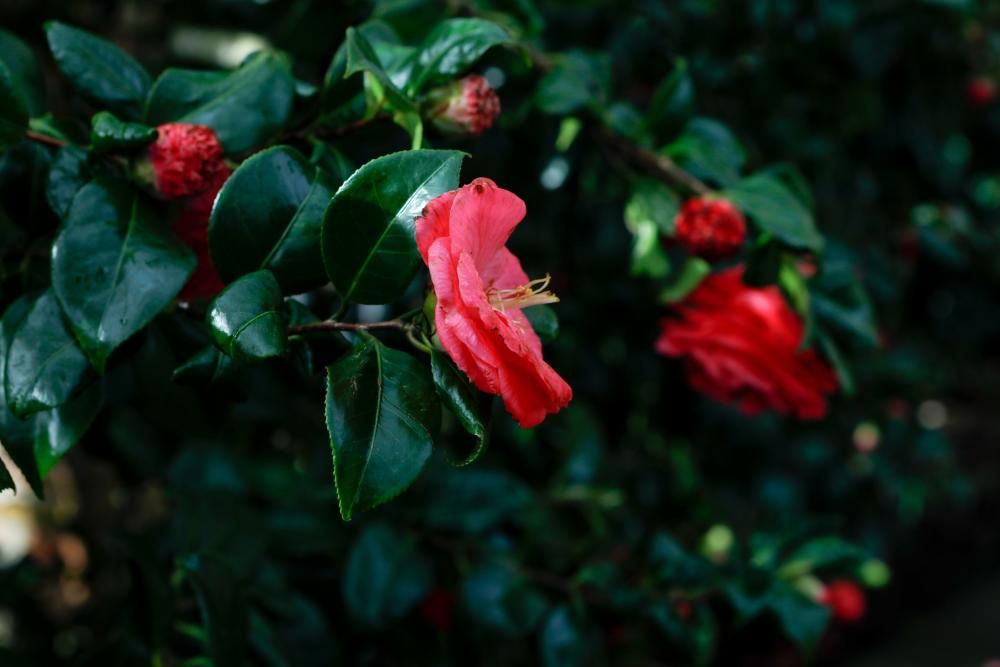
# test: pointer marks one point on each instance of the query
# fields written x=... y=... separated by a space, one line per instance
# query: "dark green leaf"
x=13 y=114
x=69 y=173
x=803 y=620
x=108 y=133
x=44 y=365
x=380 y=410
x=206 y=367
x=709 y=150
x=115 y=266
x=245 y=107
x=248 y=319
x=649 y=215
x=776 y=209
x=15 y=434
x=385 y=576
x=544 y=321
x=223 y=606
x=380 y=86
x=474 y=501
x=463 y=399
x=673 y=103
x=563 y=643
x=494 y=596
x=98 y=69
x=577 y=80
x=269 y=215
x=28 y=77
x=56 y=431
x=685 y=280
x=453 y=46
x=367 y=240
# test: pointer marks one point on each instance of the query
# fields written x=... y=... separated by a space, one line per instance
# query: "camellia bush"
x=488 y=332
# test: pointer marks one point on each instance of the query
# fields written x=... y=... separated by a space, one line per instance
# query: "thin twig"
x=333 y=325
x=45 y=139
x=655 y=164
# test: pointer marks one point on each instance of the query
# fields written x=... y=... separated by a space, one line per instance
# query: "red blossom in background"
x=845 y=599
x=981 y=91
x=468 y=106
x=185 y=159
x=192 y=228
x=710 y=228
x=481 y=289
x=740 y=345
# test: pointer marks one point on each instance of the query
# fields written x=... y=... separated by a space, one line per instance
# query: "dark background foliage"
x=208 y=519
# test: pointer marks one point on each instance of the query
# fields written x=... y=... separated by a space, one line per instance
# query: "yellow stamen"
x=535 y=293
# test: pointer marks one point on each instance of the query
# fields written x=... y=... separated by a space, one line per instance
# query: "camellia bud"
x=710 y=228
x=845 y=599
x=184 y=160
x=466 y=106
x=981 y=91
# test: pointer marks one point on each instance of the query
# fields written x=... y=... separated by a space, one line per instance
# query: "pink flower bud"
x=467 y=106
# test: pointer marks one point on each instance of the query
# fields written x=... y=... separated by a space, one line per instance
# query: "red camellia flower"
x=710 y=228
x=192 y=228
x=981 y=91
x=740 y=345
x=437 y=609
x=481 y=289
x=845 y=599
x=468 y=106
x=185 y=159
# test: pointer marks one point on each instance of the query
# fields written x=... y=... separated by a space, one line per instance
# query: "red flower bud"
x=192 y=228
x=981 y=91
x=184 y=160
x=710 y=228
x=437 y=609
x=467 y=106
x=845 y=599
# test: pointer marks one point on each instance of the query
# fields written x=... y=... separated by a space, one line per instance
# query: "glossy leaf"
x=56 y=431
x=385 y=576
x=544 y=321
x=463 y=399
x=115 y=266
x=69 y=172
x=368 y=231
x=108 y=133
x=709 y=149
x=577 y=80
x=776 y=209
x=248 y=319
x=15 y=434
x=474 y=501
x=453 y=46
x=98 y=69
x=44 y=364
x=380 y=412
x=269 y=215
x=673 y=103
x=29 y=80
x=497 y=598
x=205 y=368
x=245 y=107
x=362 y=57
x=13 y=114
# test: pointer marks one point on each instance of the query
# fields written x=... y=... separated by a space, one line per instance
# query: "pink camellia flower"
x=740 y=345
x=845 y=599
x=192 y=228
x=481 y=289
x=710 y=228
x=185 y=160
x=467 y=106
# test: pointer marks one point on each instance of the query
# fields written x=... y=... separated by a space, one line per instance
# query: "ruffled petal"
x=482 y=219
